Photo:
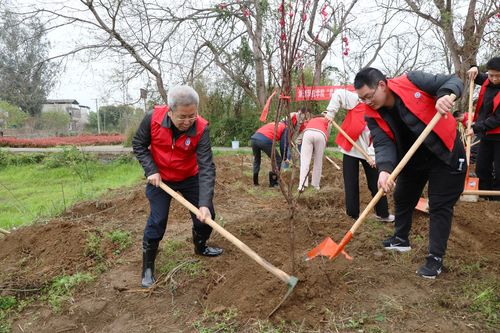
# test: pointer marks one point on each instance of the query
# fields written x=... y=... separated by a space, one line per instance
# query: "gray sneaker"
x=432 y=267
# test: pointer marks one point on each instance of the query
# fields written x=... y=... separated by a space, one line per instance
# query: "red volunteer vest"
x=176 y=161
x=496 y=102
x=419 y=103
x=319 y=123
x=466 y=117
x=268 y=130
x=353 y=125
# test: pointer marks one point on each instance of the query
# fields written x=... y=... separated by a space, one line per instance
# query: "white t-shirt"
x=348 y=100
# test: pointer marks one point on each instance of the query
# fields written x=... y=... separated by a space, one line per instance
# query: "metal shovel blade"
x=326 y=248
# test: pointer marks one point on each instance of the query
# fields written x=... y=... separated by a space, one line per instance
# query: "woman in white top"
x=355 y=126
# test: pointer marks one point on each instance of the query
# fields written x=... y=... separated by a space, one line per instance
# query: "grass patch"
x=217 y=152
x=59 y=290
x=211 y=323
x=31 y=192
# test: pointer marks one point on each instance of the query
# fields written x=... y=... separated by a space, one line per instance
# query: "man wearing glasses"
x=173 y=146
x=399 y=110
x=487 y=126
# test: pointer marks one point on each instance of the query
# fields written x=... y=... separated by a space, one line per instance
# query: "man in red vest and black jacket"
x=399 y=110
x=173 y=146
x=487 y=126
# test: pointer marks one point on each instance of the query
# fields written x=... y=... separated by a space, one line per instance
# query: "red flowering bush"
x=89 y=140
x=114 y=133
x=103 y=133
x=86 y=134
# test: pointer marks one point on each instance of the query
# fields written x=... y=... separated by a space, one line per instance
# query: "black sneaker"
x=396 y=243
x=432 y=267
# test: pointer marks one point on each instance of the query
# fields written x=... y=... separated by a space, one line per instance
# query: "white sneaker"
x=316 y=187
x=389 y=218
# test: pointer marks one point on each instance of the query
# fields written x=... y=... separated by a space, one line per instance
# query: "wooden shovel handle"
x=469 y=121
x=481 y=192
x=3 y=231
x=368 y=158
x=276 y=271
x=331 y=161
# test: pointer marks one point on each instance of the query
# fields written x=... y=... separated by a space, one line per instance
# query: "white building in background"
x=77 y=113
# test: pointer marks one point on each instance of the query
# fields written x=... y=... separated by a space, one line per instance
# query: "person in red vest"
x=487 y=126
x=355 y=126
x=315 y=140
x=461 y=117
x=173 y=146
x=299 y=119
x=399 y=110
x=262 y=140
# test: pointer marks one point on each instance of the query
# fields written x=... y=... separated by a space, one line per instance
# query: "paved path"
x=108 y=149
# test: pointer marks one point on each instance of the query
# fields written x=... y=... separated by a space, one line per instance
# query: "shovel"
x=469 y=121
x=290 y=281
x=339 y=248
x=368 y=158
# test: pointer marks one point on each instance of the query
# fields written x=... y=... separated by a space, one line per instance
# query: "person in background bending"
x=315 y=140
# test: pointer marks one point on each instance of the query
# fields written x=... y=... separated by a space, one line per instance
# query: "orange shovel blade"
x=471 y=184
x=422 y=205
x=326 y=248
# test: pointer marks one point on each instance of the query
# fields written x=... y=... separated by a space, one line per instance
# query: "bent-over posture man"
x=400 y=109
x=262 y=140
x=173 y=146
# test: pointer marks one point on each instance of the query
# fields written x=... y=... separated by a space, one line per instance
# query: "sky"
x=84 y=81
x=86 y=84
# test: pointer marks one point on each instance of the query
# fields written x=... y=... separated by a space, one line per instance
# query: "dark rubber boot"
x=202 y=249
x=148 y=264
x=273 y=179
x=256 y=179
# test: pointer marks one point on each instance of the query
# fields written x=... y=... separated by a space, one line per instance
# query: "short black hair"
x=370 y=77
x=493 y=63
x=457 y=113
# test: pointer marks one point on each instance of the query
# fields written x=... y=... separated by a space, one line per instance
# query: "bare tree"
x=323 y=35
x=463 y=26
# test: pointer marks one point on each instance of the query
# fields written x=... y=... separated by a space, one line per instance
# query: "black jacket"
x=204 y=156
x=406 y=127
x=485 y=121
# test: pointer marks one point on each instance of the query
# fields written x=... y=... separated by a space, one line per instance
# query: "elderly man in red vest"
x=487 y=126
x=399 y=110
x=173 y=146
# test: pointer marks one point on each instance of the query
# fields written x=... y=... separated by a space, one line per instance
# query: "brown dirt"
x=378 y=290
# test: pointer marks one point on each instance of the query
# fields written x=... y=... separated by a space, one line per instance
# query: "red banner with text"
x=321 y=93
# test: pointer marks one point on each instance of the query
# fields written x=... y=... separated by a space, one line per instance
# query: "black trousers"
x=444 y=189
x=257 y=147
x=351 y=183
x=159 y=202
x=488 y=159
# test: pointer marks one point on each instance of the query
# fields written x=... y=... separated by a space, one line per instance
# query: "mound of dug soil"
x=377 y=291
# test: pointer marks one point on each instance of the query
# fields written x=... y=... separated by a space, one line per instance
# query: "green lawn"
x=33 y=192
